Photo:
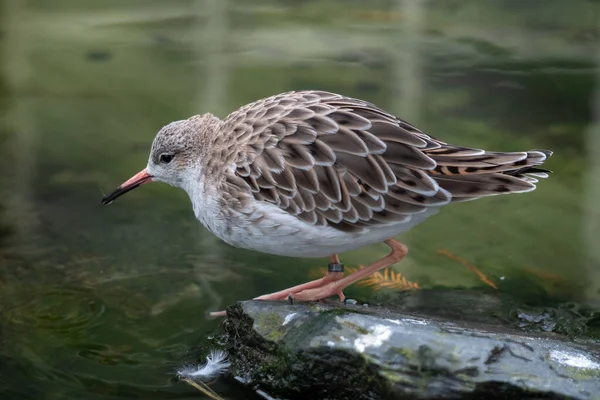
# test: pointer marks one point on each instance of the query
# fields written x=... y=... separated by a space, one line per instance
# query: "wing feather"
x=345 y=163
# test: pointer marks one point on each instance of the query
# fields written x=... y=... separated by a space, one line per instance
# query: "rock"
x=329 y=351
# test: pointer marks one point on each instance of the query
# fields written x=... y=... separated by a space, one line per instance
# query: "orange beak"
x=138 y=179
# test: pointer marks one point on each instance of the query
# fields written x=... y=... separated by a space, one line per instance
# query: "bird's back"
x=338 y=162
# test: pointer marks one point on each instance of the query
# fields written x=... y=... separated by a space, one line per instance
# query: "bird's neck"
x=205 y=200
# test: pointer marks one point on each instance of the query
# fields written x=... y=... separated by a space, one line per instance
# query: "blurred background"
x=104 y=302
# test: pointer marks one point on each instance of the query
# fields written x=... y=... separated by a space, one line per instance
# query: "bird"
x=312 y=173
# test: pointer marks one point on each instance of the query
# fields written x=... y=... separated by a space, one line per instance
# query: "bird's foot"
x=331 y=287
x=335 y=273
x=293 y=291
x=320 y=293
x=334 y=282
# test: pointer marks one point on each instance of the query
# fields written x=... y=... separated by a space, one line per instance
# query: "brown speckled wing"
x=342 y=162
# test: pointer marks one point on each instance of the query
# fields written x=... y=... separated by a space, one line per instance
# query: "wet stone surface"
x=328 y=351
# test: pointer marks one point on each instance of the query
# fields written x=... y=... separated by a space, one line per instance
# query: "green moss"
x=300 y=338
x=392 y=376
x=408 y=354
x=287 y=372
x=355 y=327
x=269 y=325
x=583 y=373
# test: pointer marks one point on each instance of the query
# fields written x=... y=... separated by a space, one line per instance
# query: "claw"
x=218 y=313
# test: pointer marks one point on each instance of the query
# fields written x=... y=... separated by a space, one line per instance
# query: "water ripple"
x=58 y=308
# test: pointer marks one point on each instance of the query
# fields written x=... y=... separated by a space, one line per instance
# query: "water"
x=106 y=302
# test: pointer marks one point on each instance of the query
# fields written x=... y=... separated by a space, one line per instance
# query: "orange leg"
x=286 y=293
x=334 y=259
x=399 y=251
x=334 y=282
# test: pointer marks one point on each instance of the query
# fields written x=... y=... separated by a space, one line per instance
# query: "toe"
x=274 y=296
x=320 y=293
x=218 y=314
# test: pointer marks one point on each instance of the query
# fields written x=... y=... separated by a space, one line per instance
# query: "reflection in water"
x=100 y=303
x=591 y=217
x=17 y=129
x=211 y=36
x=407 y=80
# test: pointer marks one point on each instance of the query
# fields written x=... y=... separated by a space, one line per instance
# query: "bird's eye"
x=166 y=158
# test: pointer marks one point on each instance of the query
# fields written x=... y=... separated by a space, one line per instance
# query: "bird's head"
x=176 y=157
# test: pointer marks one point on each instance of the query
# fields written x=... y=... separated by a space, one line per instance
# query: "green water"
x=106 y=302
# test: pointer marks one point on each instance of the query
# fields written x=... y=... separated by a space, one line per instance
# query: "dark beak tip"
x=109 y=198
x=137 y=180
x=121 y=190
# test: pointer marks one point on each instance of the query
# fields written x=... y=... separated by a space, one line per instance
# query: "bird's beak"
x=138 y=179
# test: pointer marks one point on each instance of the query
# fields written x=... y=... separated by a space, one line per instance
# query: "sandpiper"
x=314 y=174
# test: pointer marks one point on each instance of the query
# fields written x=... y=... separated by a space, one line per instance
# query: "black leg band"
x=335 y=267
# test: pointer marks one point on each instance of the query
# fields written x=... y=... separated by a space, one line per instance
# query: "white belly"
x=271 y=230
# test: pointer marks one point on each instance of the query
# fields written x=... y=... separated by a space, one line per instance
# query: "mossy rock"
x=328 y=351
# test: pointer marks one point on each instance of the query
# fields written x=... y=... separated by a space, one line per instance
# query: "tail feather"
x=485 y=160
x=488 y=174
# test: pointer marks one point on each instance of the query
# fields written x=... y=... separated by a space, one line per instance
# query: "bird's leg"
x=398 y=252
x=334 y=282
x=335 y=272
